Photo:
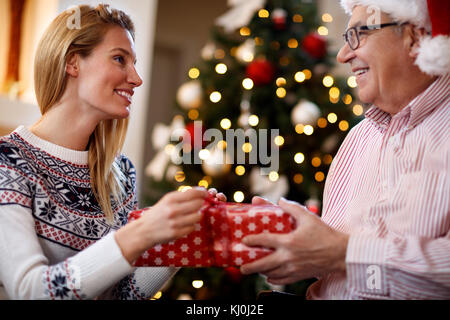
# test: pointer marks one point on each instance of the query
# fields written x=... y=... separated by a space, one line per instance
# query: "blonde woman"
x=65 y=192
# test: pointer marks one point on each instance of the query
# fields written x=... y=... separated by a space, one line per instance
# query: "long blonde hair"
x=56 y=46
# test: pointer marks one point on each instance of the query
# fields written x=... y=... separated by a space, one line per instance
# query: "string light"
x=300 y=76
x=292 y=43
x=194 y=73
x=298 y=178
x=332 y=117
x=273 y=176
x=279 y=141
x=215 y=97
x=157 y=296
x=238 y=196
x=297 y=18
x=308 y=74
x=193 y=114
x=319 y=176
x=308 y=130
x=247 y=147
x=179 y=176
x=280 y=81
x=328 y=81
x=299 y=157
x=281 y=92
x=327 y=159
x=219 y=54
x=343 y=125
x=221 y=68
x=245 y=31
x=316 y=162
x=253 y=120
x=299 y=128
x=197 y=284
x=358 y=109
x=240 y=170
x=203 y=183
x=323 y=31
x=263 y=13
x=225 y=124
x=326 y=17
x=347 y=99
x=222 y=145
x=322 y=123
x=334 y=93
x=247 y=83
x=184 y=188
x=351 y=81
x=204 y=154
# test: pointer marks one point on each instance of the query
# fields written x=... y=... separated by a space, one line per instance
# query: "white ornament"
x=306 y=113
x=262 y=186
x=246 y=51
x=243 y=119
x=189 y=95
x=161 y=137
x=208 y=51
x=240 y=14
x=217 y=164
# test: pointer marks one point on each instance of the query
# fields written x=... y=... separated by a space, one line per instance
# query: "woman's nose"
x=134 y=78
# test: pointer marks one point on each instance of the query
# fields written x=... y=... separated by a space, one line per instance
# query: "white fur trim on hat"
x=434 y=57
x=413 y=11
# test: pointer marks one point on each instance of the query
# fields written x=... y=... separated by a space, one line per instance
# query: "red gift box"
x=216 y=239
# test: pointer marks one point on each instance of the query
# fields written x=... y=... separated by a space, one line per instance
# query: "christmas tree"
x=265 y=74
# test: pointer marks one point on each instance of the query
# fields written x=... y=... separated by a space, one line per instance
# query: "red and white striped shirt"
x=388 y=187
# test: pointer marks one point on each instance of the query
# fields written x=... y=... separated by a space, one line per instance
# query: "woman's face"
x=107 y=77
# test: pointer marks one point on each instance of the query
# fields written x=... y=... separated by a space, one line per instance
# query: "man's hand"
x=311 y=250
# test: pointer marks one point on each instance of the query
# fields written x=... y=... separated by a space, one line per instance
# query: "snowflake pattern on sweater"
x=65 y=211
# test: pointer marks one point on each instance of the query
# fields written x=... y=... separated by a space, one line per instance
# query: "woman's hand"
x=170 y=218
x=219 y=195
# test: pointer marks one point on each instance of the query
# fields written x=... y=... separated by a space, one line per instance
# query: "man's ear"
x=72 y=65
x=412 y=38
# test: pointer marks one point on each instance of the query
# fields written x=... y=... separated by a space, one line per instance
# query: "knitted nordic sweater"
x=55 y=242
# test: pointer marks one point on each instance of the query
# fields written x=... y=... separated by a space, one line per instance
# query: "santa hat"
x=432 y=15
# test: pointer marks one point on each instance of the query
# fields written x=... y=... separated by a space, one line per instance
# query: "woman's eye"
x=119 y=59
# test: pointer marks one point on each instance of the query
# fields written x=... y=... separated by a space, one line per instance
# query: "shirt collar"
x=418 y=109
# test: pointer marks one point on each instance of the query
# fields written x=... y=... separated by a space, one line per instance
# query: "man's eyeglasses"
x=351 y=35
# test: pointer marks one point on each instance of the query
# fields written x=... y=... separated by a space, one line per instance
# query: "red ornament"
x=315 y=45
x=279 y=18
x=194 y=135
x=261 y=71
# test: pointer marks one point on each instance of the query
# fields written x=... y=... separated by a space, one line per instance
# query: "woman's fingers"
x=194 y=193
x=185 y=207
x=188 y=220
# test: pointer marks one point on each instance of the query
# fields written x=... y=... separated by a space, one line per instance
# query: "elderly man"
x=384 y=231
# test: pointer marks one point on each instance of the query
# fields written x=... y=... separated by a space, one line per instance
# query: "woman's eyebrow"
x=124 y=51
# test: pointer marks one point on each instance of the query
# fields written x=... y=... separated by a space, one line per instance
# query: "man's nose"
x=345 y=54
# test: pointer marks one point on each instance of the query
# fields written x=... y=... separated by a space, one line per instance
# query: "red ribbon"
x=216 y=225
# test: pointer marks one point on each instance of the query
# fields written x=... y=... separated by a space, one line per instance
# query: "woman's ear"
x=72 y=65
